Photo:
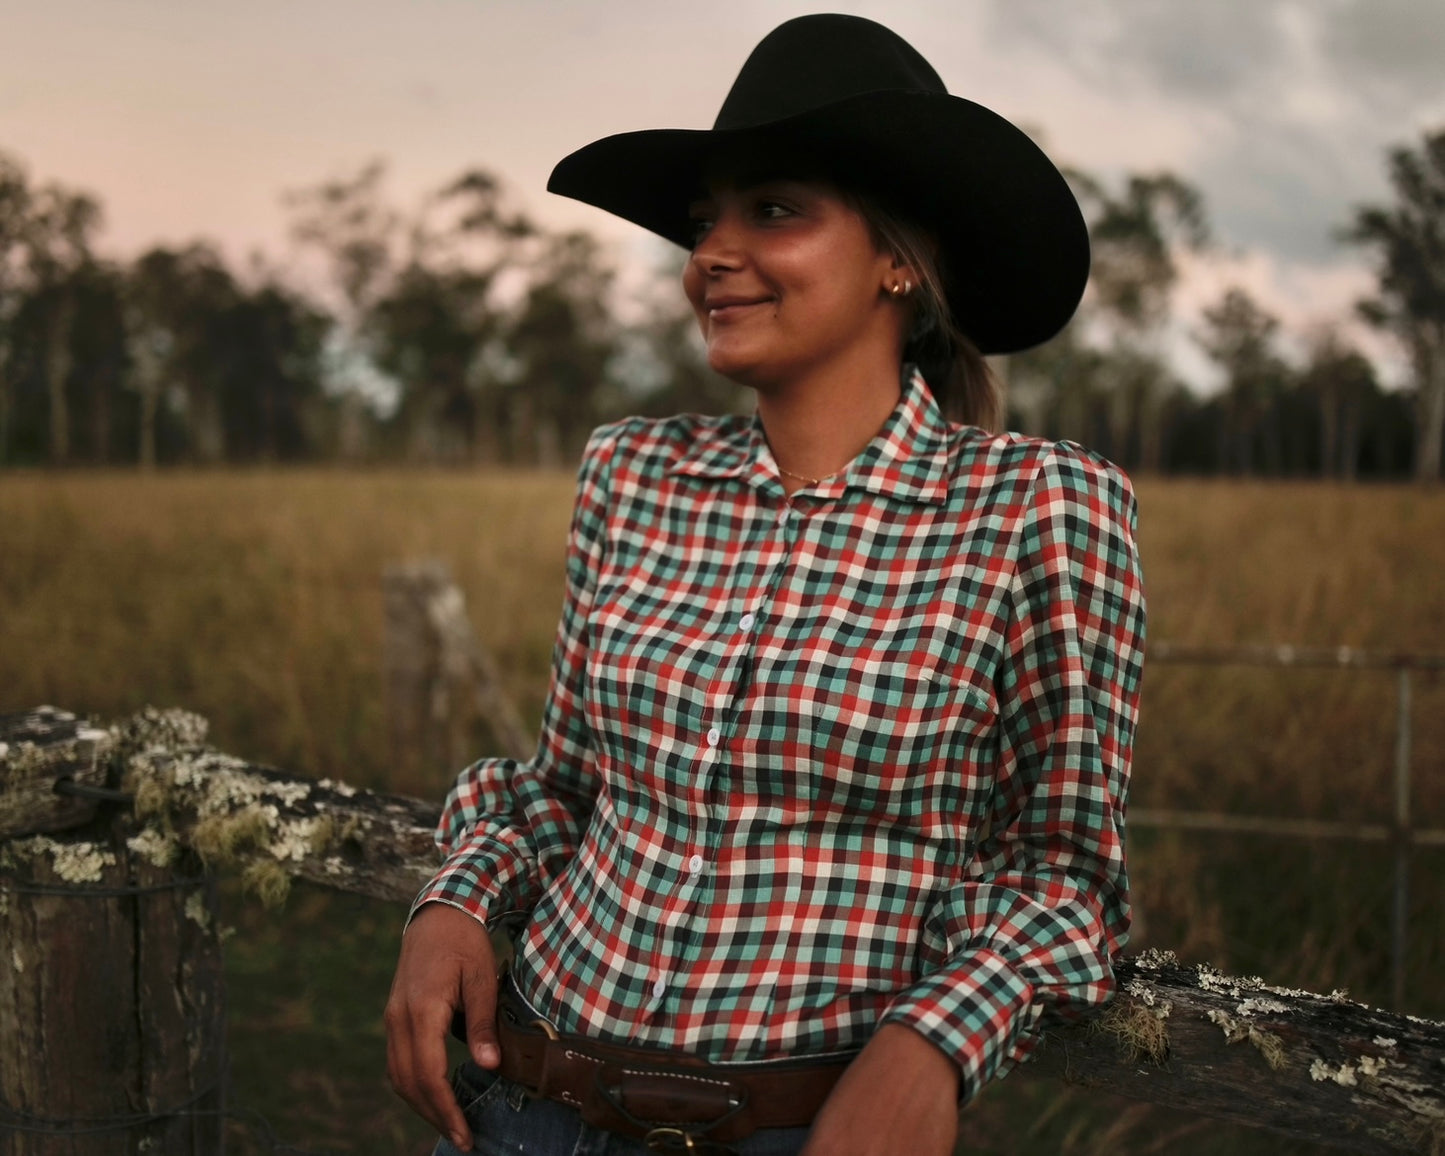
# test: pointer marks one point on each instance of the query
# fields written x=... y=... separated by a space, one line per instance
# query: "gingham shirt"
x=810 y=765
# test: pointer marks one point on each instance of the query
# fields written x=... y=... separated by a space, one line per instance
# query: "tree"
x=1059 y=389
x=177 y=302
x=102 y=410
x=14 y=228
x=417 y=296
x=1135 y=238
x=428 y=332
x=563 y=340
x=59 y=257
x=1409 y=242
x=1239 y=337
x=267 y=347
x=1341 y=381
x=47 y=268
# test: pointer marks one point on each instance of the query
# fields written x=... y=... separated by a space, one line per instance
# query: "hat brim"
x=1013 y=238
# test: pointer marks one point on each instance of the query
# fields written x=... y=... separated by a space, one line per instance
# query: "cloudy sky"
x=190 y=119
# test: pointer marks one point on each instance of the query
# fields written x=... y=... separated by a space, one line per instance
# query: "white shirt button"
x=659 y=987
x=746 y=621
x=713 y=737
x=695 y=864
x=783 y=516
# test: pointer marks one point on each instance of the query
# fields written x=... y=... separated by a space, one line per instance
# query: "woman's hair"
x=963 y=384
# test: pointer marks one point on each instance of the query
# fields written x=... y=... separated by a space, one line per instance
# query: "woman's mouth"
x=729 y=308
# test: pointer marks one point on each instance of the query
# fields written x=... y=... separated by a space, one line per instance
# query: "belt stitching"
x=675 y=1076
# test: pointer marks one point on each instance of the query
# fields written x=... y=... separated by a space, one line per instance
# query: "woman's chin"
x=741 y=367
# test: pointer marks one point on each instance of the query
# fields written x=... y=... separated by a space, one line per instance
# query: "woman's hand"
x=446 y=964
x=899 y=1095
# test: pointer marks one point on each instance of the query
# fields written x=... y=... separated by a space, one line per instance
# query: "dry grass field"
x=255 y=599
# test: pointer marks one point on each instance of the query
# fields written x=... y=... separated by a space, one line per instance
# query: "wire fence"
x=1401 y=831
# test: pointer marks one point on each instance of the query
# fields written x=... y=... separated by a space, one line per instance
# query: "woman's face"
x=786 y=281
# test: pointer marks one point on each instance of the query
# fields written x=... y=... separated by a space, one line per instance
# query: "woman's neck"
x=816 y=427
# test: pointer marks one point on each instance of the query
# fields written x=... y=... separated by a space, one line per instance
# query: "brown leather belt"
x=673 y=1101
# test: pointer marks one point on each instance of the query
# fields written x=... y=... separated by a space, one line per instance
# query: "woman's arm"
x=506 y=829
x=1043 y=904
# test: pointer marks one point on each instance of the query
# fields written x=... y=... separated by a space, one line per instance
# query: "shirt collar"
x=907 y=458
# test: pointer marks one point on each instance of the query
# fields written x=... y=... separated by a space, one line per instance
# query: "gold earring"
x=896 y=289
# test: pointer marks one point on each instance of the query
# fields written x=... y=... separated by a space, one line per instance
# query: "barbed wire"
x=262 y=1134
x=13 y=1120
x=9 y=883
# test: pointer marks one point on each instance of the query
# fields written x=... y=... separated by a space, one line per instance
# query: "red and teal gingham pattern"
x=811 y=765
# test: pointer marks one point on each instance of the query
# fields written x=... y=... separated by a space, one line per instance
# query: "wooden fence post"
x=112 y=1032
x=439 y=677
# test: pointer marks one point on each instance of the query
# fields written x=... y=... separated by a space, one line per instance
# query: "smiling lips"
x=725 y=308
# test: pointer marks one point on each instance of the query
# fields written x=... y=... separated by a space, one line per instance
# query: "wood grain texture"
x=1313 y=1067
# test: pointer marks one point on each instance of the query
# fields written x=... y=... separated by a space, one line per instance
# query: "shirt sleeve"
x=1043 y=905
x=508 y=827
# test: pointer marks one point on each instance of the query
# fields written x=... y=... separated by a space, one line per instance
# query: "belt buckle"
x=669 y=1139
x=664 y=1126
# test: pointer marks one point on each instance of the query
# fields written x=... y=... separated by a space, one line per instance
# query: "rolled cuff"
x=978 y=1010
x=473 y=880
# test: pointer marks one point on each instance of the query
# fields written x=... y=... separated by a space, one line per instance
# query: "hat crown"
x=814 y=61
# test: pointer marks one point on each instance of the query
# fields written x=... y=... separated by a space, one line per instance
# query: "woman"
x=827 y=809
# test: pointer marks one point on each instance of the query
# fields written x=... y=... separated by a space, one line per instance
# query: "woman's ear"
x=900 y=280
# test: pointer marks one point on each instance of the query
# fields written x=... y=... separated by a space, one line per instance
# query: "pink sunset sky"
x=189 y=120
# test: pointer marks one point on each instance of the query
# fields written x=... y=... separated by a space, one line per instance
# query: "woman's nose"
x=719 y=249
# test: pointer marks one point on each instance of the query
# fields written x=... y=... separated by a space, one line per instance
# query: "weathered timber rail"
x=1314 y=1067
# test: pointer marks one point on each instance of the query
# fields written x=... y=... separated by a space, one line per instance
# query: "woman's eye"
x=773 y=210
x=698 y=228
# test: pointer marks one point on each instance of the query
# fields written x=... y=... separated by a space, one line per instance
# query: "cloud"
x=1306 y=298
x=1289 y=104
x=1203 y=50
x=1394 y=47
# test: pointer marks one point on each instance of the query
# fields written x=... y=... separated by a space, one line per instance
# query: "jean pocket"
x=475 y=1087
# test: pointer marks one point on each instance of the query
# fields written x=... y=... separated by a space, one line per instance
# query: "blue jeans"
x=505 y=1121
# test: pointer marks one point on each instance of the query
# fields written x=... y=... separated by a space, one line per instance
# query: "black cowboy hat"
x=1014 y=244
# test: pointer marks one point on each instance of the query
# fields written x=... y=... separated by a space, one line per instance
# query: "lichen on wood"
x=38 y=748
x=1316 y=1067
x=271 y=827
x=1265 y=1043
x=73 y=861
x=1139 y=1029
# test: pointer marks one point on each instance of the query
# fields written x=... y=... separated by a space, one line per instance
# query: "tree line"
x=465 y=332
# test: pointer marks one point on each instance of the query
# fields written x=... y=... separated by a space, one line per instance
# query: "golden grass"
x=255 y=599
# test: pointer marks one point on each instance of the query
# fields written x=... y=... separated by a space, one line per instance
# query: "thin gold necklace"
x=810 y=481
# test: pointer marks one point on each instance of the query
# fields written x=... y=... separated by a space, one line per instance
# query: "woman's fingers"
x=435 y=1099
x=445 y=963
x=479 y=1003
x=416 y=1066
